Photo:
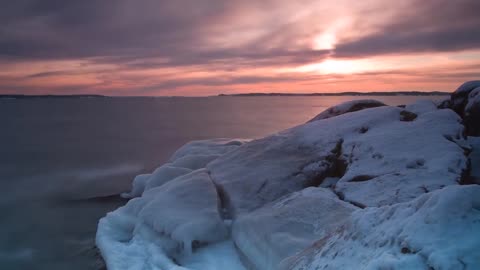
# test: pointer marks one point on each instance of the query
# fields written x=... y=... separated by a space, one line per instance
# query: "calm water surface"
x=61 y=159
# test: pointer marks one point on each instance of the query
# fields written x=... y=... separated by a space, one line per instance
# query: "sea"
x=63 y=161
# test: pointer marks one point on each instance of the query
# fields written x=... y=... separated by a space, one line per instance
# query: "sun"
x=325 y=41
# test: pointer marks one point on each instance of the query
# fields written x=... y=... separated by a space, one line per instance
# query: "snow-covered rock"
x=438 y=230
x=289 y=225
x=472 y=113
x=346 y=107
x=382 y=155
x=466 y=102
x=421 y=106
x=459 y=98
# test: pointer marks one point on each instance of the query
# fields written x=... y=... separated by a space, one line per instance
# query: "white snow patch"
x=435 y=231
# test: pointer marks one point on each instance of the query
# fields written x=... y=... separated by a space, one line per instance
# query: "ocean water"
x=62 y=161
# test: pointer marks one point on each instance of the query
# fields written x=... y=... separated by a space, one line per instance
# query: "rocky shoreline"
x=361 y=186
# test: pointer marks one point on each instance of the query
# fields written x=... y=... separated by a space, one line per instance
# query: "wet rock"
x=347 y=107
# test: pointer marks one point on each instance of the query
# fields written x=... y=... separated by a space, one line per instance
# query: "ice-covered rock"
x=382 y=155
x=373 y=188
x=167 y=222
x=289 y=225
x=438 y=230
x=192 y=156
x=346 y=107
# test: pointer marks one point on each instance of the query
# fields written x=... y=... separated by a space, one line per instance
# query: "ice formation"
x=379 y=187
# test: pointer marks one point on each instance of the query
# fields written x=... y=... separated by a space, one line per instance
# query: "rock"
x=346 y=107
x=459 y=98
x=474 y=176
x=472 y=113
x=466 y=102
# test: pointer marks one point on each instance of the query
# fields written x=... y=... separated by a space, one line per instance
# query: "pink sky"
x=207 y=47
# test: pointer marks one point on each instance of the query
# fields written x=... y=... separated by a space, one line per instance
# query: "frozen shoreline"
x=378 y=187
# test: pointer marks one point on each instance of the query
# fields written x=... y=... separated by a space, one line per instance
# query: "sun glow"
x=325 y=41
x=331 y=66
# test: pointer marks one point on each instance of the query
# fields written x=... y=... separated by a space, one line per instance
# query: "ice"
x=438 y=230
x=165 y=222
x=192 y=156
x=289 y=225
x=346 y=107
x=219 y=256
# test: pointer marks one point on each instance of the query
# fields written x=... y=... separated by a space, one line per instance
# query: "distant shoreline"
x=403 y=93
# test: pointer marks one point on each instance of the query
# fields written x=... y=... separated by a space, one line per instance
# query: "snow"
x=377 y=188
x=346 y=107
x=438 y=230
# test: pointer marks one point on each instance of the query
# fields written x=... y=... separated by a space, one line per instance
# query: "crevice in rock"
x=361 y=178
x=224 y=206
x=337 y=167
x=466 y=178
x=407 y=116
x=341 y=197
x=363 y=130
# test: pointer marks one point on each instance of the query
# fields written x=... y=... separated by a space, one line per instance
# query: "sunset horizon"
x=240 y=134
x=204 y=48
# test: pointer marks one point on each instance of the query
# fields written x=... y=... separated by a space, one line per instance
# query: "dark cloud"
x=90 y=28
x=421 y=26
x=122 y=30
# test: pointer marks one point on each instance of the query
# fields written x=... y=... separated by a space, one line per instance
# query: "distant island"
x=405 y=93
x=49 y=96
x=402 y=93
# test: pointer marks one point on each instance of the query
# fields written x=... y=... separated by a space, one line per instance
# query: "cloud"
x=420 y=26
x=113 y=39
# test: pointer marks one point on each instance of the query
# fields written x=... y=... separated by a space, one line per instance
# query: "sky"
x=208 y=47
